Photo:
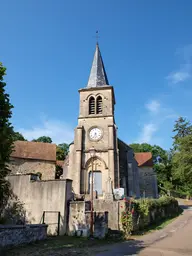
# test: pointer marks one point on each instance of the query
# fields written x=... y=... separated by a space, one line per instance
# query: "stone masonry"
x=25 y=166
x=17 y=235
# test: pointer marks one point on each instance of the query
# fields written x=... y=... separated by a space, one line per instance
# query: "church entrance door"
x=97 y=182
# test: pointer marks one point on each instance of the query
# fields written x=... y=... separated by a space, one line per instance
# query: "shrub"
x=143 y=212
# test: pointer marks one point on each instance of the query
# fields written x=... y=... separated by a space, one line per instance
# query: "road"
x=174 y=240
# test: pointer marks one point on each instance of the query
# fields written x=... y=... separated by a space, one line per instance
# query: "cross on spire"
x=97 y=36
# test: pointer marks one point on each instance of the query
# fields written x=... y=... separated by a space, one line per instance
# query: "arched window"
x=91 y=105
x=99 y=105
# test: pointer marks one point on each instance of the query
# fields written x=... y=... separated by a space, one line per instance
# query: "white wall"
x=39 y=196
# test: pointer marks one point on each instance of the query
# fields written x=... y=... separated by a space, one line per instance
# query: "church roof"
x=98 y=76
x=34 y=150
x=144 y=159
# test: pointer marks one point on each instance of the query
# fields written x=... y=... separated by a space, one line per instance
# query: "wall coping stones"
x=22 y=226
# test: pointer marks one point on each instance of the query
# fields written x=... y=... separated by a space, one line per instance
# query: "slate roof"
x=98 y=76
x=144 y=159
x=34 y=150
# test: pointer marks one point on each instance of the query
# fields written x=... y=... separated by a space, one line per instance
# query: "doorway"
x=97 y=182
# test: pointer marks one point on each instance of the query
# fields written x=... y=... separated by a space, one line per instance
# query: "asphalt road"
x=174 y=240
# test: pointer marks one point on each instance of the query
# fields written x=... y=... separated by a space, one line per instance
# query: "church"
x=96 y=147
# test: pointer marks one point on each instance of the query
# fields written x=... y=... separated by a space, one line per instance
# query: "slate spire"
x=98 y=76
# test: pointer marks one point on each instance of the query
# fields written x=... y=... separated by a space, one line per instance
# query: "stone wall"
x=16 y=235
x=113 y=209
x=39 y=196
x=25 y=166
x=80 y=220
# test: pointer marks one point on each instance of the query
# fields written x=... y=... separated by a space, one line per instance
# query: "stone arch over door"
x=100 y=170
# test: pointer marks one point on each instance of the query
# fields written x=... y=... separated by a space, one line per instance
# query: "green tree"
x=45 y=139
x=58 y=172
x=182 y=165
x=144 y=147
x=159 y=154
x=182 y=128
x=164 y=172
x=6 y=138
x=18 y=136
x=62 y=151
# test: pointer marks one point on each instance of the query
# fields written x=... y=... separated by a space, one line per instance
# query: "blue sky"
x=48 y=46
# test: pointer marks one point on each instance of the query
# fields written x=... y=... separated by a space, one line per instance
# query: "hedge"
x=144 y=212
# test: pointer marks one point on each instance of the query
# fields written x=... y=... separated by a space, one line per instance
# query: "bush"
x=143 y=212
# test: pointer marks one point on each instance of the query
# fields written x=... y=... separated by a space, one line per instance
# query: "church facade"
x=113 y=163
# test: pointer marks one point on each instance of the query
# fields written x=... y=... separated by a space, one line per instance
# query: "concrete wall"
x=148 y=182
x=80 y=220
x=16 y=235
x=24 y=166
x=112 y=207
x=77 y=218
x=39 y=196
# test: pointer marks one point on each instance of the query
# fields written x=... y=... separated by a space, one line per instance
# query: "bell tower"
x=96 y=129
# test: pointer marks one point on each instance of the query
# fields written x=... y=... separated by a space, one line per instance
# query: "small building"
x=147 y=175
x=33 y=157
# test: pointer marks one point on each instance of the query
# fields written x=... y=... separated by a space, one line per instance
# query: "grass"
x=158 y=225
x=61 y=245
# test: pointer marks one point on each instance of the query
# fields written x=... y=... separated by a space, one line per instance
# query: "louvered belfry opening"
x=91 y=106
x=99 y=105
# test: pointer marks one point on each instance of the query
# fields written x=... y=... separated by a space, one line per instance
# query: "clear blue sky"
x=48 y=46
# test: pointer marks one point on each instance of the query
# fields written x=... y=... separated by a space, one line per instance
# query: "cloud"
x=153 y=106
x=147 y=133
x=57 y=130
x=184 y=72
x=155 y=117
x=179 y=76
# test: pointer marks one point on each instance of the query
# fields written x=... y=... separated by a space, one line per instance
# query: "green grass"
x=158 y=225
x=66 y=244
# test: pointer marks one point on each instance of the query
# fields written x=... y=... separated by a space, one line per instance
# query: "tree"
x=62 y=151
x=182 y=165
x=18 y=136
x=158 y=153
x=182 y=128
x=6 y=138
x=45 y=139
x=144 y=147
x=58 y=172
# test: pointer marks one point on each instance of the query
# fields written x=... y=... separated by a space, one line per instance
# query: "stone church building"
x=114 y=164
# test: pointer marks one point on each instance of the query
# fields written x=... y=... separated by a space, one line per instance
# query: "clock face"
x=95 y=134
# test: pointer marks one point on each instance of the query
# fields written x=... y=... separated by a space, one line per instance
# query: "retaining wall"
x=12 y=235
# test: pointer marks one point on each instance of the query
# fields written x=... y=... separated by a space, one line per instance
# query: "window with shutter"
x=91 y=106
x=99 y=105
